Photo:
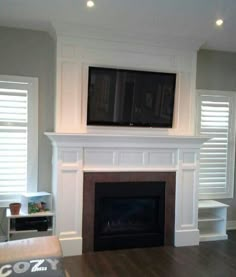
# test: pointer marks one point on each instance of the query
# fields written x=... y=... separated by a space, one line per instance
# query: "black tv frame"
x=128 y=123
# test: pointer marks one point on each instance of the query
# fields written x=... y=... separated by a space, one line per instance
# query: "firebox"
x=129 y=215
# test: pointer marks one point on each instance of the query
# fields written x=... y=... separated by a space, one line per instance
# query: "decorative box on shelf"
x=36 y=202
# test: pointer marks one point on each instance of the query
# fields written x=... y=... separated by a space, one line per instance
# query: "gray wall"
x=32 y=53
x=216 y=70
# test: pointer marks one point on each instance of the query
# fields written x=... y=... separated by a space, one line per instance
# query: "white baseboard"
x=231 y=225
x=186 y=237
x=71 y=246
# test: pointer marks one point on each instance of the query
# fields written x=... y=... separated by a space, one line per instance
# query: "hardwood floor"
x=216 y=259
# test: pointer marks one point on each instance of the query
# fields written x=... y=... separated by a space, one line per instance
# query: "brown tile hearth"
x=91 y=178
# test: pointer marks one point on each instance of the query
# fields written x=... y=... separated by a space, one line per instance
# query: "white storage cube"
x=212 y=218
x=36 y=202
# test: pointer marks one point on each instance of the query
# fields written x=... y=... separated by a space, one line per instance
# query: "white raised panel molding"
x=130 y=158
x=74 y=154
x=75 y=55
x=162 y=157
x=68 y=197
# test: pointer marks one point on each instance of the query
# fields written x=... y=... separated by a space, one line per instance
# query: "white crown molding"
x=159 y=40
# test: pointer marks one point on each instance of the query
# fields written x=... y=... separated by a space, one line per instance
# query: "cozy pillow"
x=50 y=266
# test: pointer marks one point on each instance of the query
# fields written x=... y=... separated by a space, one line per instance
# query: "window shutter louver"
x=13 y=137
x=215 y=121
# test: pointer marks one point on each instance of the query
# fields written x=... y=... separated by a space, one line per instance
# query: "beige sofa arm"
x=40 y=247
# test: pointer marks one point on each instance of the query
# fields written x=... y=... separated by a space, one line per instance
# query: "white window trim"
x=229 y=192
x=32 y=159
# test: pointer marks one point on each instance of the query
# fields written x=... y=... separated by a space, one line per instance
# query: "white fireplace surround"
x=74 y=154
x=78 y=148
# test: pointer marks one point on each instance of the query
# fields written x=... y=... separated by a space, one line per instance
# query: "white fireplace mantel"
x=74 y=154
x=133 y=140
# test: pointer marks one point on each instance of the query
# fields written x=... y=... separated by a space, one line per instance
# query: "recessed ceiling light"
x=90 y=3
x=219 y=22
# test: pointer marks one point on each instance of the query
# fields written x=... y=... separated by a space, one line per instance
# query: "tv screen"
x=120 y=97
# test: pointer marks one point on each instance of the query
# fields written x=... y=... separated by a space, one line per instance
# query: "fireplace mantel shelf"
x=137 y=140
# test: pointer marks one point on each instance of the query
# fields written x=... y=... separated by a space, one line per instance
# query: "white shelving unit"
x=212 y=217
x=14 y=234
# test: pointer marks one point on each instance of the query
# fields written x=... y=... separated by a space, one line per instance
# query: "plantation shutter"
x=216 y=120
x=13 y=137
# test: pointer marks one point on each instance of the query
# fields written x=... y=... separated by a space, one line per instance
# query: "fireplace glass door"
x=129 y=215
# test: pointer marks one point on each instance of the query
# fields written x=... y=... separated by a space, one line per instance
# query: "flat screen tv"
x=120 y=97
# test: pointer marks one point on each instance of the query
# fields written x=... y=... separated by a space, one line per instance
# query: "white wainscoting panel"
x=75 y=55
x=130 y=158
x=94 y=158
x=69 y=96
x=69 y=194
x=162 y=157
x=188 y=198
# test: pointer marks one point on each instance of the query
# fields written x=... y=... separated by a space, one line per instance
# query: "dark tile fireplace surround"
x=128 y=194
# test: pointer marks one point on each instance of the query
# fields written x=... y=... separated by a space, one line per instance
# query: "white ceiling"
x=164 y=22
